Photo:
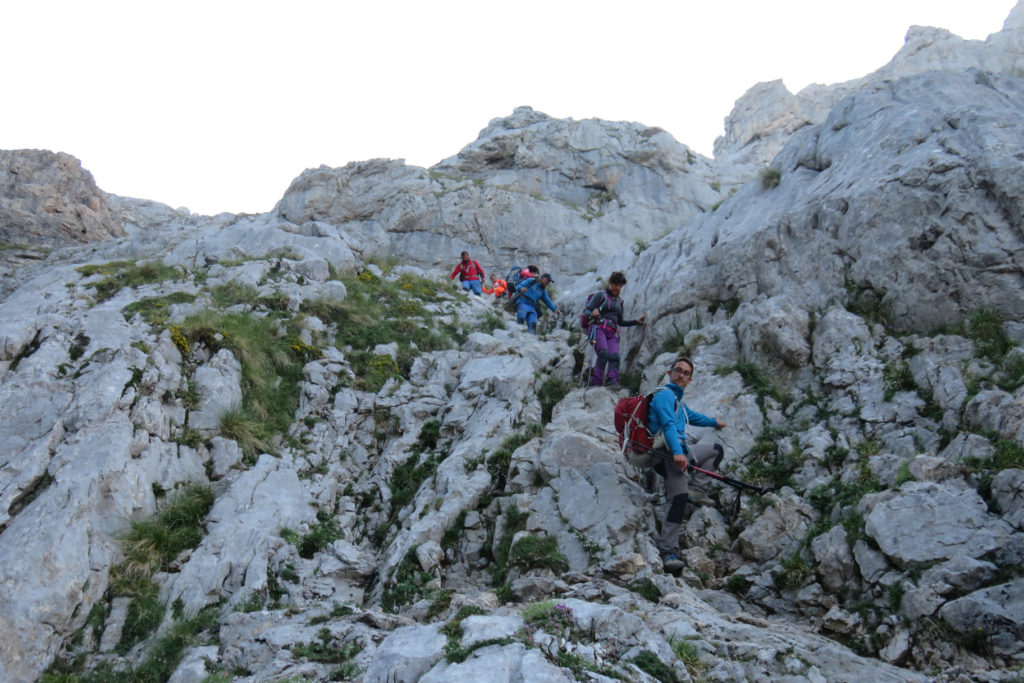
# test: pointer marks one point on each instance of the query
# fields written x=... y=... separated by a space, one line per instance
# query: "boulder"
x=992 y=615
x=930 y=521
x=406 y=654
x=778 y=531
x=1008 y=493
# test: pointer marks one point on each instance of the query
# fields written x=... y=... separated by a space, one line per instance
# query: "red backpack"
x=631 y=423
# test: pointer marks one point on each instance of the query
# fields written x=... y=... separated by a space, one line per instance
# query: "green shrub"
x=325 y=650
x=249 y=433
x=770 y=177
x=651 y=664
x=689 y=654
x=647 y=589
x=985 y=328
x=795 y=572
x=515 y=521
x=409 y=476
x=767 y=464
x=491 y=321
x=373 y=370
x=1013 y=371
x=868 y=304
x=498 y=463
x=234 y=293
x=538 y=552
x=550 y=617
x=903 y=475
x=145 y=612
x=453 y=534
x=165 y=654
x=895 y=597
x=550 y=394
x=149 y=546
x=897 y=377
x=428 y=437
x=737 y=585
x=676 y=343
x=757 y=379
x=408 y=584
x=324 y=532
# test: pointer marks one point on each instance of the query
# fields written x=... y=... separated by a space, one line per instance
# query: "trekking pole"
x=735 y=483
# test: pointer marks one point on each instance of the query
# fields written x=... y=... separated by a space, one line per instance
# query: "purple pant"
x=606 y=345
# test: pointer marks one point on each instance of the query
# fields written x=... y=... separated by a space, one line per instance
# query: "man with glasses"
x=667 y=419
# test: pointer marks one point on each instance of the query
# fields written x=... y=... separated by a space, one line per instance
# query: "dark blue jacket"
x=533 y=292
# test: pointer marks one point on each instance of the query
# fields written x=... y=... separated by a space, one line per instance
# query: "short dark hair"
x=682 y=359
x=617 y=278
x=465 y=253
x=533 y=269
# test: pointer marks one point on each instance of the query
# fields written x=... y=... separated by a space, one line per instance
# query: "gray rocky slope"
x=389 y=480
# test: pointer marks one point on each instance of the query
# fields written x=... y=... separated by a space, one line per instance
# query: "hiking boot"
x=700 y=498
x=670 y=562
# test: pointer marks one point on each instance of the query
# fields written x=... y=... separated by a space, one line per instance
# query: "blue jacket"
x=534 y=292
x=668 y=412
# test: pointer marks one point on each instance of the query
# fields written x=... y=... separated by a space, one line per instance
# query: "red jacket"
x=470 y=270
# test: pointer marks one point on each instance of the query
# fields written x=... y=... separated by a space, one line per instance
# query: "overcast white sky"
x=217 y=105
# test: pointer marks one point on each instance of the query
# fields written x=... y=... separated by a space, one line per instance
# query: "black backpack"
x=594 y=300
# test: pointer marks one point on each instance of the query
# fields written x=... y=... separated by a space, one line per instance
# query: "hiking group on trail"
x=652 y=428
x=526 y=288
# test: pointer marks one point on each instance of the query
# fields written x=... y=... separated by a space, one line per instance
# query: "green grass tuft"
x=538 y=552
x=121 y=274
x=651 y=664
x=550 y=394
x=150 y=545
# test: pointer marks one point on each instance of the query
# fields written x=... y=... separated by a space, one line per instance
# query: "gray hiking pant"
x=677 y=485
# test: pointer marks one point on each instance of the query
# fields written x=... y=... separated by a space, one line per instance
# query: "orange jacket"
x=498 y=289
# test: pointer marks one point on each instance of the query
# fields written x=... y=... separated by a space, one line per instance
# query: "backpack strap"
x=675 y=408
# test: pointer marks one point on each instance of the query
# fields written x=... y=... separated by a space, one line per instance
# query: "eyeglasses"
x=685 y=373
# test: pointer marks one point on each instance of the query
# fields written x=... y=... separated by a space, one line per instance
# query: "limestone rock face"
x=50 y=200
x=767 y=115
x=870 y=229
x=440 y=496
x=529 y=188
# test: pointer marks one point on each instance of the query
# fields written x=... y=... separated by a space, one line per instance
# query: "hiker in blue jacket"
x=667 y=419
x=533 y=292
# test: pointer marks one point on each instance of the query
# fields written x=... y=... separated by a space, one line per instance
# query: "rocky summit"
x=288 y=447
